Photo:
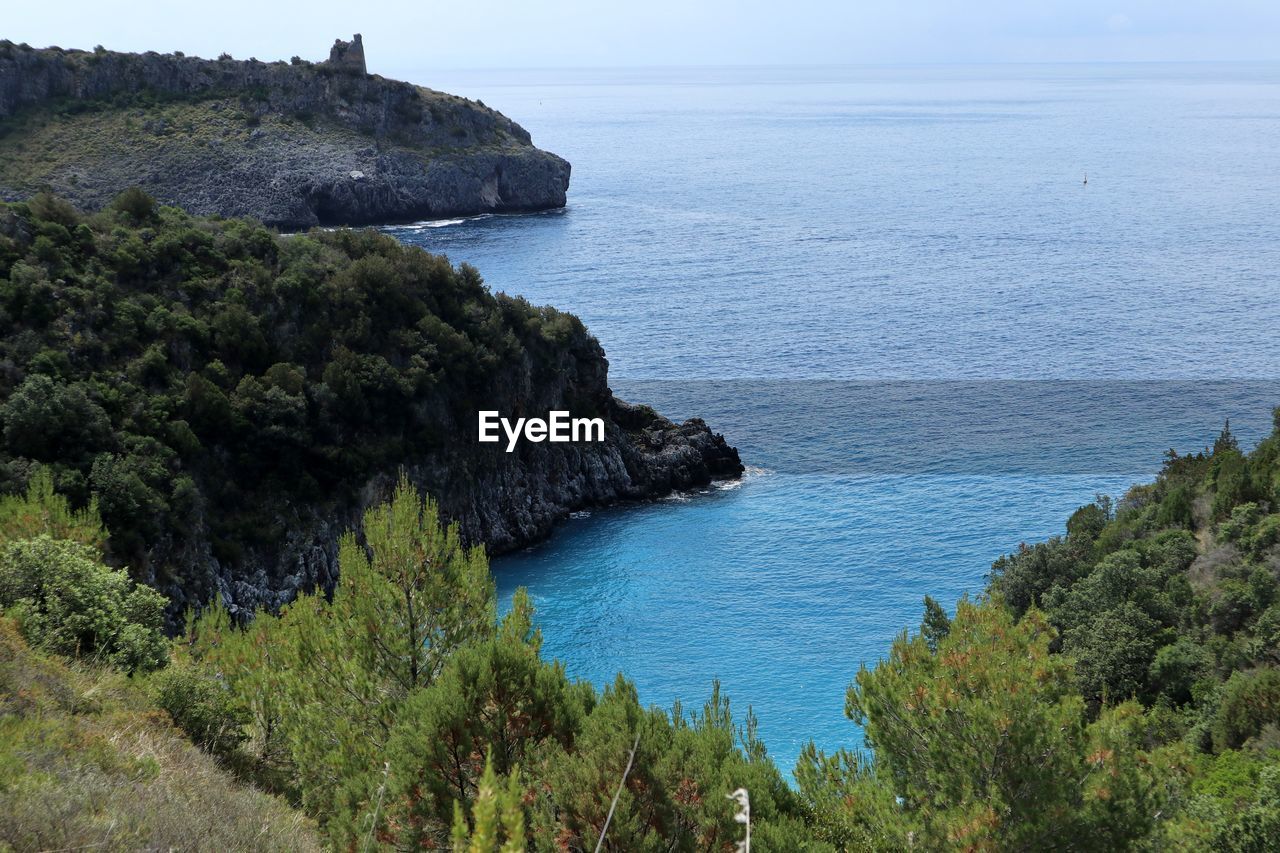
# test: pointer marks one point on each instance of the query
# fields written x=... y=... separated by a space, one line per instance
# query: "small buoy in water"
x=1086 y=179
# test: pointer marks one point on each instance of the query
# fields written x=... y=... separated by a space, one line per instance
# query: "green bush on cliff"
x=200 y=704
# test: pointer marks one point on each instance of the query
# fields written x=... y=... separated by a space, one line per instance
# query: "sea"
x=936 y=308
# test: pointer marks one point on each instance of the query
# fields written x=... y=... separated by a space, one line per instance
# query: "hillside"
x=395 y=713
x=290 y=144
x=1115 y=689
x=234 y=398
x=88 y=762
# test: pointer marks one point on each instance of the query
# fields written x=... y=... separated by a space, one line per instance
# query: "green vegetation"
x=86 y=760
x=59 y=147
x=498 y=817
x=87 y=763
x=387 y=706
x=1117 y=687
x=62 y=596
x=204 y=378
x=389 y=711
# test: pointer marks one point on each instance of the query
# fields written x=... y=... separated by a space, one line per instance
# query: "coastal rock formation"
x=504 y=501
x=236 y=399
x=291 y=144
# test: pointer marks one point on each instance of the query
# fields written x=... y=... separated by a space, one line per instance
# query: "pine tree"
x=935 y=625
x=496 y=703
x=252 y=662
x=497 y=817
x=42 y=510
x=331 y=675
x=985 y=740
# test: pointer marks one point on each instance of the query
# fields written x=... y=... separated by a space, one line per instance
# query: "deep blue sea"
x=892 y=289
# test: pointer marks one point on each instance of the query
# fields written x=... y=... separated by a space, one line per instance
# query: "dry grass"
x=84 y=764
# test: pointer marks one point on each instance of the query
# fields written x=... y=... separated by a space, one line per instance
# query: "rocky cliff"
x=290 y=144
x=235 y=399
x=504 y=501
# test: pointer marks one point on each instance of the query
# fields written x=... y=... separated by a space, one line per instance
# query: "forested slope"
x=235 y=398
x=1116 y=688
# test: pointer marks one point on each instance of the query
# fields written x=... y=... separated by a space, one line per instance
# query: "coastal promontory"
x=292 y=144
x=232 y=399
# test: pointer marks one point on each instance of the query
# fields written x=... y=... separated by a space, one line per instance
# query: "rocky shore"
x=292 y=144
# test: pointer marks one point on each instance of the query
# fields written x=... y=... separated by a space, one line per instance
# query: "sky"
x=403 y=36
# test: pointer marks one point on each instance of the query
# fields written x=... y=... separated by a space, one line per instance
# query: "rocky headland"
x=292 y=144
x=504 y=501
x=234 y=399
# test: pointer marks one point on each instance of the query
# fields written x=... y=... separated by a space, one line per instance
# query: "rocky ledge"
x=292 y=144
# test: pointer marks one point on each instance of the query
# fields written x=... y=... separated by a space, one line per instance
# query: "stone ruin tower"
x=348 y=55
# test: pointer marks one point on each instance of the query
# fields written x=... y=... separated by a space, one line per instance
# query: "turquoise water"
x=752 y=245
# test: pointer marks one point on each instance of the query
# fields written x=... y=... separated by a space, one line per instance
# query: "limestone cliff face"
x=292 y=144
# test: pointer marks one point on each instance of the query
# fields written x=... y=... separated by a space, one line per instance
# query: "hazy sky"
x=402 y=36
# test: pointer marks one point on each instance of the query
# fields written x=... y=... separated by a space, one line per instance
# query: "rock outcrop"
x=236 y=399
x=504 y=501
x=291 y=144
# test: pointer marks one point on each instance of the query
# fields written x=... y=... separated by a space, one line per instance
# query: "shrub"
x=1176 y=669
x=1024 y=577
x=1232 y=606
x=1266 y=636
x=1087 y=522
x=1175 y=509
x=497 y=819
x=50 y=208
x=202 y=706
x=1257 y=827
x=136 y=204
x=1242 y=519
x=86 y=765
x=68 y=602
x=1250 y=701
x=51 y=421
x=42 y=510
